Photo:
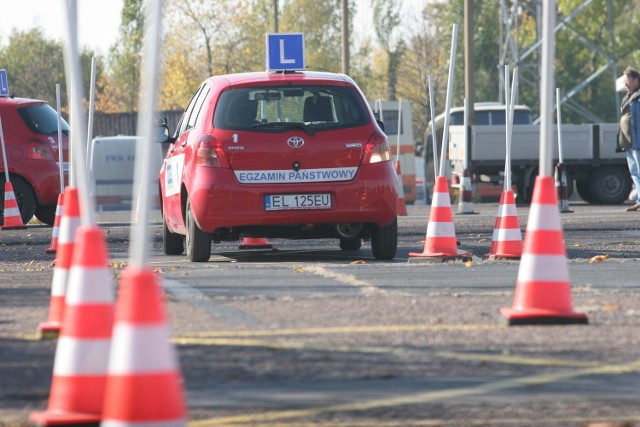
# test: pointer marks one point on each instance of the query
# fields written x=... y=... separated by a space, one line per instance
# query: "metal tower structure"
x=526 y=58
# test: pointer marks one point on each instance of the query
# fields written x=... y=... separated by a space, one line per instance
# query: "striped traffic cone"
x=56 y=227
x=543 y=294
x=441 y=235
x=69 y=223
x=507 y=237
x=144 y=384
x=255 y=243
x=82 y=353
x=562 y=189
x=12 y=218
x=401 y=205
x=465 y=199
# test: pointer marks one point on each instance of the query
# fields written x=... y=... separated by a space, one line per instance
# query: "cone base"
x=566 y=211
x=13 y=227
x=505 y=256
x=439 y=257
x=542 y=317
x=49 y=330
x=50 y=250
x=255 y=243
x=60 y=418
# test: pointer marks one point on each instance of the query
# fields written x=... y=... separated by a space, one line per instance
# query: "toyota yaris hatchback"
x=284 y=155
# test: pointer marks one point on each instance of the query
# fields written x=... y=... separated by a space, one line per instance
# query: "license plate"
x=283 y=202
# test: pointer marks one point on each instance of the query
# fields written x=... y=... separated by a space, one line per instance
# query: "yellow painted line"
x=344 y=330
x=347 y=279
x=419 y=398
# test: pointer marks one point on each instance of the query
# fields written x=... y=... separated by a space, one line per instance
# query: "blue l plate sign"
x=285 y=51
x=4 y=84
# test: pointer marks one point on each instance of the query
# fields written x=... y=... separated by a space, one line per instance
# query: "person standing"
x=629 y=130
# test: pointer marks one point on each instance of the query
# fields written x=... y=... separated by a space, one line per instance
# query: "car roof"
x=483 y=106
x=20 y=101
x=242 y=79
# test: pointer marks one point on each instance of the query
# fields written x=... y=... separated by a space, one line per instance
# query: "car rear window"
x=271 y=108
x=41 y=118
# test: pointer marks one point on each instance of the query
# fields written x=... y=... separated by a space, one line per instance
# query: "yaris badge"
x=295 y=142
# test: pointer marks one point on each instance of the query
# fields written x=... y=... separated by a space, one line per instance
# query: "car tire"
x=172 y=243
x=46 y=213
x=350 y=244
x=198 y=242
x=384 y=241
x=25 y=198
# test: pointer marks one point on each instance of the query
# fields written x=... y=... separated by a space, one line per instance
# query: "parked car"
x=294 y=155
x=30 y=130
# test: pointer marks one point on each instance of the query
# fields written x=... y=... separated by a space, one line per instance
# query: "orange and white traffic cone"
x=255 y=243
x=56 y=227
x=441 y=235
x=507 y=236
x=82 y=353
x=69 y=223
x=12 y=217
x=543 y=294
x=144 y=384
x=562 y=188
x=401 y=205
x=465 y=199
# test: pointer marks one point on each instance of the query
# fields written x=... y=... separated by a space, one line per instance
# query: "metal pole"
x=507 y=117
x=547 y=85
x=469 y=84
x=140 y=234
x=514 y=96
x=399 y=129
x=345 y=36
x=92 y=92
x=275 y=16
x=74 y=83
x=434 y=141
x=60 y=157
x=559 y=126
x=452 y=62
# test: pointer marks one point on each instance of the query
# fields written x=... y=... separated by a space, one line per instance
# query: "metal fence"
x=125 y=123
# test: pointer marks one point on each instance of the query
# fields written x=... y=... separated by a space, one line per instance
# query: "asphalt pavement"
x=308 y=335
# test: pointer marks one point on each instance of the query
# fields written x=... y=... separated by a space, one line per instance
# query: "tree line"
x=393 y=60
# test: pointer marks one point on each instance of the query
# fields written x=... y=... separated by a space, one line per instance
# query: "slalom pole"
x=140 y=233
x=546 y=90
x=74 y=86
x=514 y=94
x=507 y=122
x=399 y=129
x=559 y=123
x=60 y=156
x=92 y=95
x=452 y=62
x=434 y=141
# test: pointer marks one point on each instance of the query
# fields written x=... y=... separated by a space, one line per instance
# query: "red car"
x=295 y=155
x=31 y=141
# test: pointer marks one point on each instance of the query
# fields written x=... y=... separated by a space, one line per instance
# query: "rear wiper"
x=284 y=125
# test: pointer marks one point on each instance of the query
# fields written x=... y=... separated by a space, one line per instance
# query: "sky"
x=99 y=20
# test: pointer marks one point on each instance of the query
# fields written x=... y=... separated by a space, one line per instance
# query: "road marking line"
x=425 y=397
x=348 y=279
x=346 y=330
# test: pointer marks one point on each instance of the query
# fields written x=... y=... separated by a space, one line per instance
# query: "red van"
x=30 y=130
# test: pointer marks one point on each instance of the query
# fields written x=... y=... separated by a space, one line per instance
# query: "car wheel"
x=583 y=191
x=46 y=213
x=25 y=198
x=172 y=243
x=198 y=242
x=610 y=185
x=384 y=241
x=350 y=244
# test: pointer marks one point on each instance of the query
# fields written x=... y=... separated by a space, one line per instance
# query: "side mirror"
x=381 y=124
x=162 y=132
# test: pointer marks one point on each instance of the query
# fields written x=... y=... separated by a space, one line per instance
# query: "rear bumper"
x=218 y=201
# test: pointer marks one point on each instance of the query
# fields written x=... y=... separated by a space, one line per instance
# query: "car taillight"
x=38 y=151
x=209 y=152
x=377 y=149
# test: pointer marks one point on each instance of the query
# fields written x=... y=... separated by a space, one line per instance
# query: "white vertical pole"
x=434 y=141
x=514 y=95
x=465 y=124
x=4 y=153
x=92 y=93
x=507 y=125
x=399 y=129
x=78 y=124
x=452 y=62
x=547 y=84
x=60 y=156
x=559 y=125
x=140 y=237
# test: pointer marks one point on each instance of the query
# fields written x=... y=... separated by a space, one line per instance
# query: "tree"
x=35 y=65
x=121 y=86
x=386 y=18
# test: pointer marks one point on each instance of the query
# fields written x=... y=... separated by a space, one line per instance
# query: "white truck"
x=600 y=173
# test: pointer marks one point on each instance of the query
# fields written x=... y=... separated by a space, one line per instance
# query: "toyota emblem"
x=295 y=142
